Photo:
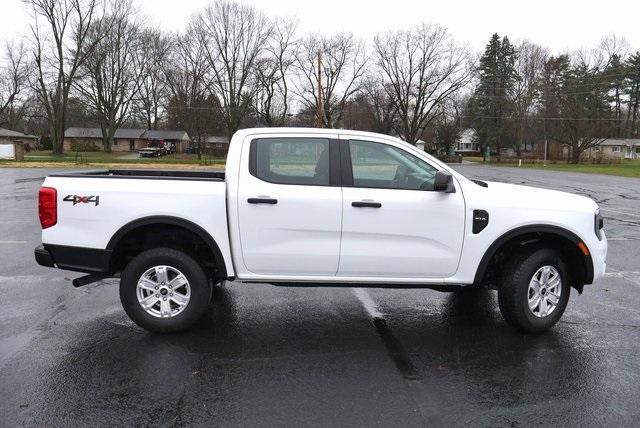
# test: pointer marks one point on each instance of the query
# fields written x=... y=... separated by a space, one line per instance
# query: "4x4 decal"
x=82 y=199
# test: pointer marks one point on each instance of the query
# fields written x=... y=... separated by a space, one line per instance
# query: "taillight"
x=48 y=206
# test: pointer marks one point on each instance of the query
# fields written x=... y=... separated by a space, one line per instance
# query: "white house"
x=465 y=143
x=627 y=148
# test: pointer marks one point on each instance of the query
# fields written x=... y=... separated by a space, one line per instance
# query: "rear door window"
x=291 y=160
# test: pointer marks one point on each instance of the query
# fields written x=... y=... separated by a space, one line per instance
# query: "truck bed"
x=92 y=206
x=147 y=174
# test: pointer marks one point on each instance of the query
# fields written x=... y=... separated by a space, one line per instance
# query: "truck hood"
x=534 y=197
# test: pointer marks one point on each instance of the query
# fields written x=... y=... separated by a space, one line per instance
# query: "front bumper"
x=599 y=257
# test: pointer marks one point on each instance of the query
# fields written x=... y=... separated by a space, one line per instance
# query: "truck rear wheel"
x=164 y=290
x=534 y=291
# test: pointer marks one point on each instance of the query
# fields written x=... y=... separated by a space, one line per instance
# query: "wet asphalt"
x=269 y=356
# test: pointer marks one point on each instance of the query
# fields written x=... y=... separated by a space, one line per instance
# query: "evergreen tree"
x=491 y=104
x=633 y=93
x=575 y=105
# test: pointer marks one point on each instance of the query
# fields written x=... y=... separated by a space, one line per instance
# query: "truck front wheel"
x=164 y=290
x=534 y=291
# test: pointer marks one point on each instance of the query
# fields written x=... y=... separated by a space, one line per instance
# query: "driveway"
x=272 y=356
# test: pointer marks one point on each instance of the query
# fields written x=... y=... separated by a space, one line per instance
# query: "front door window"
x=382 y=166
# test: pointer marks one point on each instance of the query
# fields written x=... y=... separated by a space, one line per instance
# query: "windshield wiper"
x=481 y=183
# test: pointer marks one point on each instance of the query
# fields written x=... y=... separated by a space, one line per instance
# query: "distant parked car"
x=155 y=149
x=170 y=148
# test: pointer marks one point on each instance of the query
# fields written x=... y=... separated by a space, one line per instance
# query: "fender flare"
x=536 y=228
x=174 y=221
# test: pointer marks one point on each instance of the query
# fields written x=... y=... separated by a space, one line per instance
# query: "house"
x=217 y=146
x=465 y=144
x=90 y=139
x=214 y=145
x=8 y=136
x=125 y=139
x=621 y=148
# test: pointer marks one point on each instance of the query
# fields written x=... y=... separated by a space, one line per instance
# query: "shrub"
x=45 y=143
x=84 y=146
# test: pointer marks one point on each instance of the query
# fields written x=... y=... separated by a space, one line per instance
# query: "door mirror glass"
x=444 y=182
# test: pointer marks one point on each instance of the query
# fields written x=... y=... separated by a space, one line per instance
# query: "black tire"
x=198 y=283
x=513 y=297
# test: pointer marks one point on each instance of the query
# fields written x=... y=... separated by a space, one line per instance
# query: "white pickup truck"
x=319 y=207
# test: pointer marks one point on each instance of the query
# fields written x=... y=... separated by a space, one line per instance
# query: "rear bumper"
x=79 y=259
x=43 y=256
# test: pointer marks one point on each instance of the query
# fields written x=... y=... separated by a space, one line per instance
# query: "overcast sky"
x=558 y=24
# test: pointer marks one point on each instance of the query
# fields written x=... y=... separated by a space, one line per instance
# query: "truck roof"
x=318 y=131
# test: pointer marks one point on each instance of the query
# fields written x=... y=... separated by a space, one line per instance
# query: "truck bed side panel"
x=118 y=201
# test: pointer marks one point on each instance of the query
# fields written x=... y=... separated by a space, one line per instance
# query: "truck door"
x=394 y=224
x=290 y=206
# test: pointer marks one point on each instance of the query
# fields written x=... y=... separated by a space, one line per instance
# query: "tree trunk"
x=107 y=138
x=575 y=154
x=57 y=137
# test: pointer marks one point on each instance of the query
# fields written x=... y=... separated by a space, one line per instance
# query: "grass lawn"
x=626 y=168
x=473 y=158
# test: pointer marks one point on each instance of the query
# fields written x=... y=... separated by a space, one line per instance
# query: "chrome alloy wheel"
x=163 y=291
x=544 y=291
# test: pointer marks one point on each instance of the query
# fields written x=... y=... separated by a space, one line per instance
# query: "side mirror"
x=443 y=182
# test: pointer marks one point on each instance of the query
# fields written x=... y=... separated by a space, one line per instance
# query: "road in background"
x=319 y=356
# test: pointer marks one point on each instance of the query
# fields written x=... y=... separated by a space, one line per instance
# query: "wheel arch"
x=580 y=264
x=132 y=227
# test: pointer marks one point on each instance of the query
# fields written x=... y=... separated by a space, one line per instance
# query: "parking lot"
x=274 y=356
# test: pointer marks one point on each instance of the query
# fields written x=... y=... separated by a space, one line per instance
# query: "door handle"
x=269 y=201
x=364 y=204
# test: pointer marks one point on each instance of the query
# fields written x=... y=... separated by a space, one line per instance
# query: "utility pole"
x=546 y=143
x=320 y=111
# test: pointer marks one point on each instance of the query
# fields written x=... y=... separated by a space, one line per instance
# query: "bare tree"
x=60 y=47
x=421 y=66
x=615 y=51
x=110 y=78
x=154 y=52
x=379 y=106
x=529 y=67
x=233 y=37
x=190 y=105
x=342 y=67
x=273 y=74
x=448 y=129
x=13 y=78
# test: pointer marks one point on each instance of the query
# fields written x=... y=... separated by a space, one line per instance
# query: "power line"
x=587 y=119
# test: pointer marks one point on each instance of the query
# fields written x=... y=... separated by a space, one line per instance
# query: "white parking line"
x=367 y=302
x=628 y=275
x=14 y=242
x=632 y=214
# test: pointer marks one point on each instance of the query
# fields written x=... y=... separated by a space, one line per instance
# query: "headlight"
x=598 y=224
